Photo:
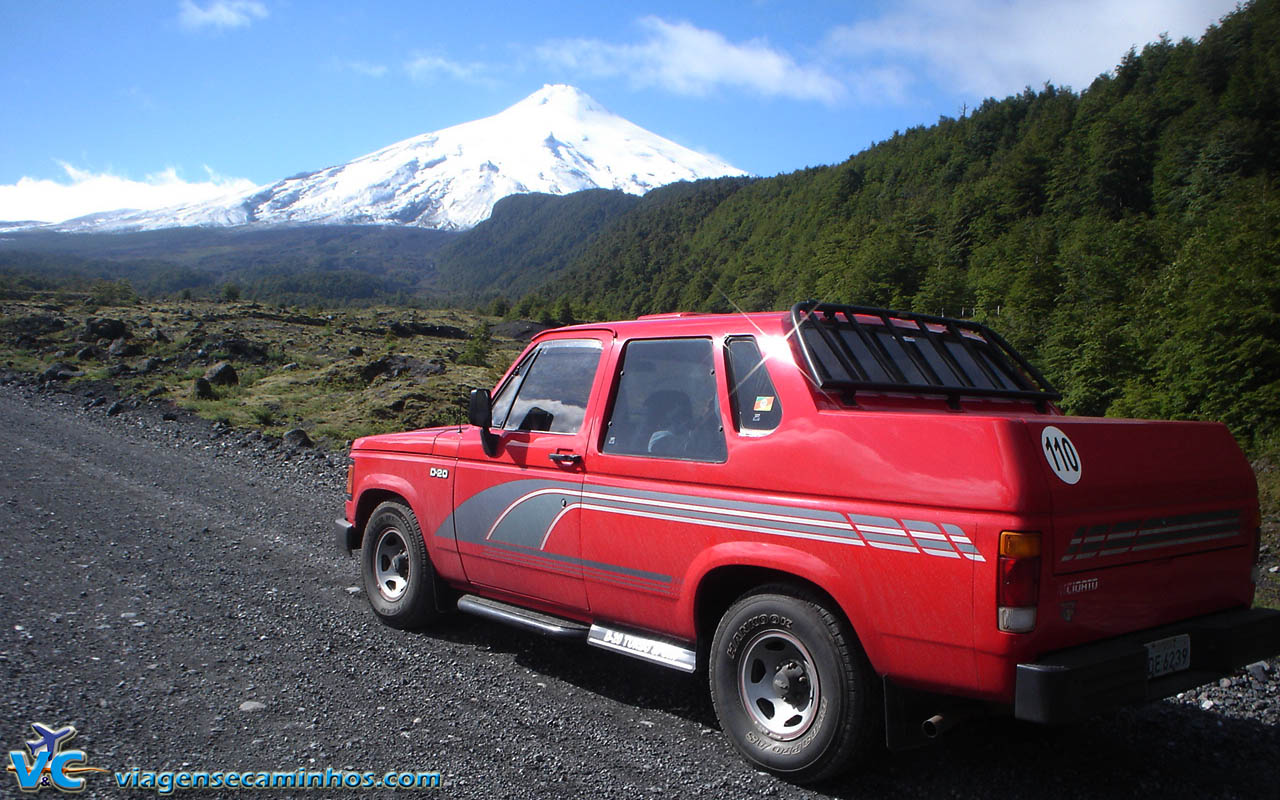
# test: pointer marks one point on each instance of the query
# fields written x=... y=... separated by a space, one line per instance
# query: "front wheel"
x=791 y=685
x=397 y=574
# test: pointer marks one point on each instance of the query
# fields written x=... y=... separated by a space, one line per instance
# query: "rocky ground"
x=171 y=587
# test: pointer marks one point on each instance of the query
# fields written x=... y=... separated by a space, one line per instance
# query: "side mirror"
x=480 y=414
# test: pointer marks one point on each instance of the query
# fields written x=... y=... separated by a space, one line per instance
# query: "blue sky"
x=142 y=104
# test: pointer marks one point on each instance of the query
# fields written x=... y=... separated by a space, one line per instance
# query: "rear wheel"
x=397 y=574
x=791 y=685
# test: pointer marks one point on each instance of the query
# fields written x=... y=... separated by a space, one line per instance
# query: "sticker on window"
x=763 y=404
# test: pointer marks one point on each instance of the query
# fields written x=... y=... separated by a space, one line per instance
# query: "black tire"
x=820 y=712
x=398 y=577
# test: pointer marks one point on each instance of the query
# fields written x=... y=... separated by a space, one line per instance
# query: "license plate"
x=1168 y=655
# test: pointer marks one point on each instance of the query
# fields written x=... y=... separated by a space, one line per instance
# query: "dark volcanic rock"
x=297 y=437
x=410 y=328
x=104 y=328
x=398 y=365
x=89 y=353
x=222 y=374
x=35 y=325
x=59 y=371
x=122 y=348
x=242 y=349
x=203 y=390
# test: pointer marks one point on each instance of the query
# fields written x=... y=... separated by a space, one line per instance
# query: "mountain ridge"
x=556 y=141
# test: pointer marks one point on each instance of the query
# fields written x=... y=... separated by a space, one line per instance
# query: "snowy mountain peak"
x=561 y=99
x=557 y=140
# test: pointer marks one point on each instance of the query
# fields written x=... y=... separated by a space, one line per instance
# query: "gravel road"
x=159 y=575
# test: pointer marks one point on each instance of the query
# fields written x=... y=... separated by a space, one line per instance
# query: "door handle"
x=565 y=459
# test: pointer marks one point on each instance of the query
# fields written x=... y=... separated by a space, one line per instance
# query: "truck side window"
x=666 y=405
x=756 y=405
x=549 y=390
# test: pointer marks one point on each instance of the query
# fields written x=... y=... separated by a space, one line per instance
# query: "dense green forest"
x=528 y=239
x=1125 y=237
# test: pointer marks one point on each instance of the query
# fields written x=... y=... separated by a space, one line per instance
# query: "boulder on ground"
x=242 y=349
x=203 y=390
x=297 y=437
x=59 y=371
x=104 y=328
x=222 y=374
x=122 y=348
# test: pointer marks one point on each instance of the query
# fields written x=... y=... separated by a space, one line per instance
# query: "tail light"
x=351 y=472
x=1018 y=571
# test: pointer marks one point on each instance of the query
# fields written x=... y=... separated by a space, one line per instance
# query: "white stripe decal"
x=732 y=512
x=937 y=537
x=878 y=529
x=898 y=547
x=521 y=499
x=710 y=523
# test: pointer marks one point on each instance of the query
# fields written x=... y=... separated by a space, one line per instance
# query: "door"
x=516 y=518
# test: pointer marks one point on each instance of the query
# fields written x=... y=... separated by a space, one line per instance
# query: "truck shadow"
x=1161 y=749
x=1164 y=750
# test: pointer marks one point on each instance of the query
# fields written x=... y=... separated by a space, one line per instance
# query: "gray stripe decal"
x=517 y=516
x=879 y=522
x=1151 y=534
x=712 y=505
x=728 y=521
x=581 y=562
x=471 y=520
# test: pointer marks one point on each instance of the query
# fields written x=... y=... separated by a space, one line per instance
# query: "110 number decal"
x=1061 y=455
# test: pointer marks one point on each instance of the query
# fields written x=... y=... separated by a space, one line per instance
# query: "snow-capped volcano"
x=557 y=140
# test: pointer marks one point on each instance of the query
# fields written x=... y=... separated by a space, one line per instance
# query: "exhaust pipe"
x=935 y=726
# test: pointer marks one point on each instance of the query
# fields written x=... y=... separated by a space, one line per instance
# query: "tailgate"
x=1127 y=491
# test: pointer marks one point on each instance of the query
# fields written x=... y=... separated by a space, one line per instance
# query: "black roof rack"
x=859 y=348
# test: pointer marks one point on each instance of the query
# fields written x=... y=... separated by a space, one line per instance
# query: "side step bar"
x=636 y=645
x=522 y=617
x=644 y=648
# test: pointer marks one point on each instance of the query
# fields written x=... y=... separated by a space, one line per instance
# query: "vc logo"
x=49 y=764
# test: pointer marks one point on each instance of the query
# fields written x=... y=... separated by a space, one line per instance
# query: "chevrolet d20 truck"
x=863 y=524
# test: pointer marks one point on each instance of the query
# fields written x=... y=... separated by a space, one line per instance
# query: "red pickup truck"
x=863 y=524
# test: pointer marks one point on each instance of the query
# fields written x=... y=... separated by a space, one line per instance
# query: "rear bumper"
x=1075 y=683
x=348 y=538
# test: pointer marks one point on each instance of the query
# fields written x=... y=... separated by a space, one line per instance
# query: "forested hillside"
x=528 y=239
x=1125 y=237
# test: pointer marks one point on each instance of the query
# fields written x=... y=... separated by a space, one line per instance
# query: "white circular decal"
x=1061 y=455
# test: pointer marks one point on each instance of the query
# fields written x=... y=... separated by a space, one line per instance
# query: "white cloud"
x=87 y=193
x=995 y=49
x=428 y=67
x=220 y=14
x=688 y=60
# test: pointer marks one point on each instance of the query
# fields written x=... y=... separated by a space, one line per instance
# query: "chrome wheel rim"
x=391 y=564
x=779 y=684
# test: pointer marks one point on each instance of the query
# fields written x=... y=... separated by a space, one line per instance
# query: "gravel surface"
x=173 y=590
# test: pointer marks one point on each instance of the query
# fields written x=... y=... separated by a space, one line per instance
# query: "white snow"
x=557 y=140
